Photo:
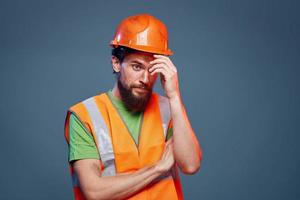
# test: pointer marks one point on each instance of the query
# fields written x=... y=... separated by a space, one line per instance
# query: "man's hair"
x=121 y=51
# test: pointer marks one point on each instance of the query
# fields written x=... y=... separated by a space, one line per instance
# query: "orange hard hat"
x=142 y=32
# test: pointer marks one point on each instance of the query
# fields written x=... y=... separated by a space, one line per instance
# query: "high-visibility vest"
x=117 y=149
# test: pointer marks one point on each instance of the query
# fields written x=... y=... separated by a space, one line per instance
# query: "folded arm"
x=95 y=186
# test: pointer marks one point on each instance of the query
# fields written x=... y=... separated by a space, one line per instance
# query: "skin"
x=141 y=70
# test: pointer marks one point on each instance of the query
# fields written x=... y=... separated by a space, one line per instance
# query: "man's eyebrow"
x=137 y=62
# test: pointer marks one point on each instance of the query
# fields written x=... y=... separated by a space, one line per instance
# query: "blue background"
x=238 y=63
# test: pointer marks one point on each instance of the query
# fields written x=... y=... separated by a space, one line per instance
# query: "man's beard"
x=132 y=102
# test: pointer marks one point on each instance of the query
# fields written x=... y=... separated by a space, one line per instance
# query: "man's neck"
x=116 y=92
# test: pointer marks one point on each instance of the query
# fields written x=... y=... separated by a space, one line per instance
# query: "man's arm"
x=121 y=186
x=187 y=152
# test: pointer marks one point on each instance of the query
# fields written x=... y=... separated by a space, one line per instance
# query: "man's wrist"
x=175 y=99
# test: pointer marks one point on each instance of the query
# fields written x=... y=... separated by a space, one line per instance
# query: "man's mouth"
x=141 y=89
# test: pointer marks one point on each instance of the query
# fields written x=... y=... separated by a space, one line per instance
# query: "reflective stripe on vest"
x=103 y=137
x=164 y=113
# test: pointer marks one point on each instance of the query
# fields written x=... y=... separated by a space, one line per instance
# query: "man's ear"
x=116 y=65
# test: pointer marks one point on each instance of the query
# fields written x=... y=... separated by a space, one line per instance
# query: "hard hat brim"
x=142 y=48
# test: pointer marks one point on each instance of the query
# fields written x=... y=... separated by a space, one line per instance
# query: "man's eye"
x=136 y=67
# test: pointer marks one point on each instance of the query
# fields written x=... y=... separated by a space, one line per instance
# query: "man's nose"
x=146 y=77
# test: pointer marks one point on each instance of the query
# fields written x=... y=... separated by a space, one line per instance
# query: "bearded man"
x=129 y=142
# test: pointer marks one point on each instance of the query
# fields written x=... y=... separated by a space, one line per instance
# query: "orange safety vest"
x=117 y=149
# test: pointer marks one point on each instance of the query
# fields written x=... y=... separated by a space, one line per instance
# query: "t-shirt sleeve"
x=170 y=130
x=82 y=144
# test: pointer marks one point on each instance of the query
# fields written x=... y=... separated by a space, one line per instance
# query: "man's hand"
x=167 y=159
x=168 y=75
x=187 y=151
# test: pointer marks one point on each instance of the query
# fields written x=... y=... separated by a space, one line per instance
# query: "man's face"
x=134 y=80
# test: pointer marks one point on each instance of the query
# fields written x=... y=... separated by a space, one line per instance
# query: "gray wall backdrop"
x=238 y=63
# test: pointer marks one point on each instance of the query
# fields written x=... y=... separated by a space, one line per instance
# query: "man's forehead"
x=140 y=57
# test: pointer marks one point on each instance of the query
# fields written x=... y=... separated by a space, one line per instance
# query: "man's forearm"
x=120 y=186
x=187 y=151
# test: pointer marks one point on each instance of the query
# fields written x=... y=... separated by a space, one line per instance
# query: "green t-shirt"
x=132 y=120
x=82 y=144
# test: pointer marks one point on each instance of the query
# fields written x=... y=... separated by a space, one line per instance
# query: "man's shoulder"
x=84 y=100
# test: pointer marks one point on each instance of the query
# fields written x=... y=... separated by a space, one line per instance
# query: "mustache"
x=142 y=86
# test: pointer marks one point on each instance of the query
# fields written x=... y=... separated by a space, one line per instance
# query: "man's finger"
x=159 y=60
x=156 y=66
x=170 y=141
x=160 y=70
x=166 y=59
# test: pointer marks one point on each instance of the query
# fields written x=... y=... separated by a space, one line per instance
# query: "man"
x=127 y=143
